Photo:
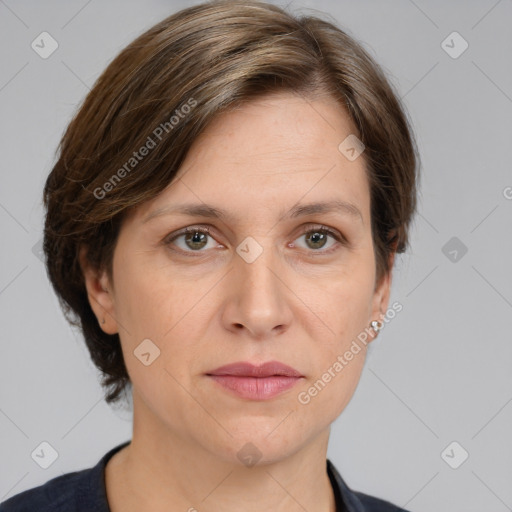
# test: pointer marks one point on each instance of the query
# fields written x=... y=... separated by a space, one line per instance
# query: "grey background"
x=439 y=372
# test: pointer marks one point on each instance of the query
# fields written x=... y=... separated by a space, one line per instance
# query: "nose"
x=258 y=298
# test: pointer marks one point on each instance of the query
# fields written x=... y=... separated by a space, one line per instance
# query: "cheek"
x=328 y=395
x=150 y=298
x=343 y=303
x=322 y=399
x=343 y=307
x=161 y=306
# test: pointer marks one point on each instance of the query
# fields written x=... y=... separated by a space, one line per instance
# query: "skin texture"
x=296 y=303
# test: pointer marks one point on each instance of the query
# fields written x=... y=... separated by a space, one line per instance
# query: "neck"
x=161 y=467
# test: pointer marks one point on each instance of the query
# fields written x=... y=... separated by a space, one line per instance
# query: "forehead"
x=282 y=127
x=268 y=154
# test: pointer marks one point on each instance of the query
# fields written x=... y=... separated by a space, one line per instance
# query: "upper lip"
x=246 y=369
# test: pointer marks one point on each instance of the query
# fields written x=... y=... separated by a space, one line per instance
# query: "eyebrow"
x=299 y=210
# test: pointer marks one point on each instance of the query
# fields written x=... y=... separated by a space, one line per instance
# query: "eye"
x=195 y=239
x=316 y=238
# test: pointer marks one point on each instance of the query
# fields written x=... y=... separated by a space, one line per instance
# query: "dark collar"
x=346 y=500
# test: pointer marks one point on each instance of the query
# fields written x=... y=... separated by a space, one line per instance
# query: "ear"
x=100 y=294
x=381 y=294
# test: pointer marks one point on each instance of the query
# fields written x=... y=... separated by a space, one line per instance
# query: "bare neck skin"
x=160 y=471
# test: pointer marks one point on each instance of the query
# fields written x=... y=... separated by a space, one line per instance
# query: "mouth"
x=256 y=382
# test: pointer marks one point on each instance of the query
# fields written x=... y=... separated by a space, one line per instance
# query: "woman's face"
x=265 y=284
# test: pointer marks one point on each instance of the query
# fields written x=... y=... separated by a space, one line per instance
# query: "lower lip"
x=256 y=388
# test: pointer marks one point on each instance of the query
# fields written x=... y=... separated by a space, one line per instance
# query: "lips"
x=251 y=382
x=246 y=369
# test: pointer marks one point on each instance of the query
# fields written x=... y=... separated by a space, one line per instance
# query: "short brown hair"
x=178 y=76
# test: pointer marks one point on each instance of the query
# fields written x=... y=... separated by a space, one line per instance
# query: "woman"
x=222 y=223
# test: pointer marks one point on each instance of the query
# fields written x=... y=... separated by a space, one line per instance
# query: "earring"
x=103 y=320
x=376 y=325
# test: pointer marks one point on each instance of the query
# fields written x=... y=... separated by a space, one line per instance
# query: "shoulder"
x=373 y=504
x=77 y=491
x=355 y=501
x=58 y=494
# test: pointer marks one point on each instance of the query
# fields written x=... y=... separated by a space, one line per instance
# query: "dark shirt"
x=85 y=491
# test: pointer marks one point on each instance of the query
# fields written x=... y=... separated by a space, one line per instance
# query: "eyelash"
x=310 y=228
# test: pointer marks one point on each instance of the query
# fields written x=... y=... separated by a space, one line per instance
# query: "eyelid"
x=334 y=233
x=304 y=229
x=189 y=229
